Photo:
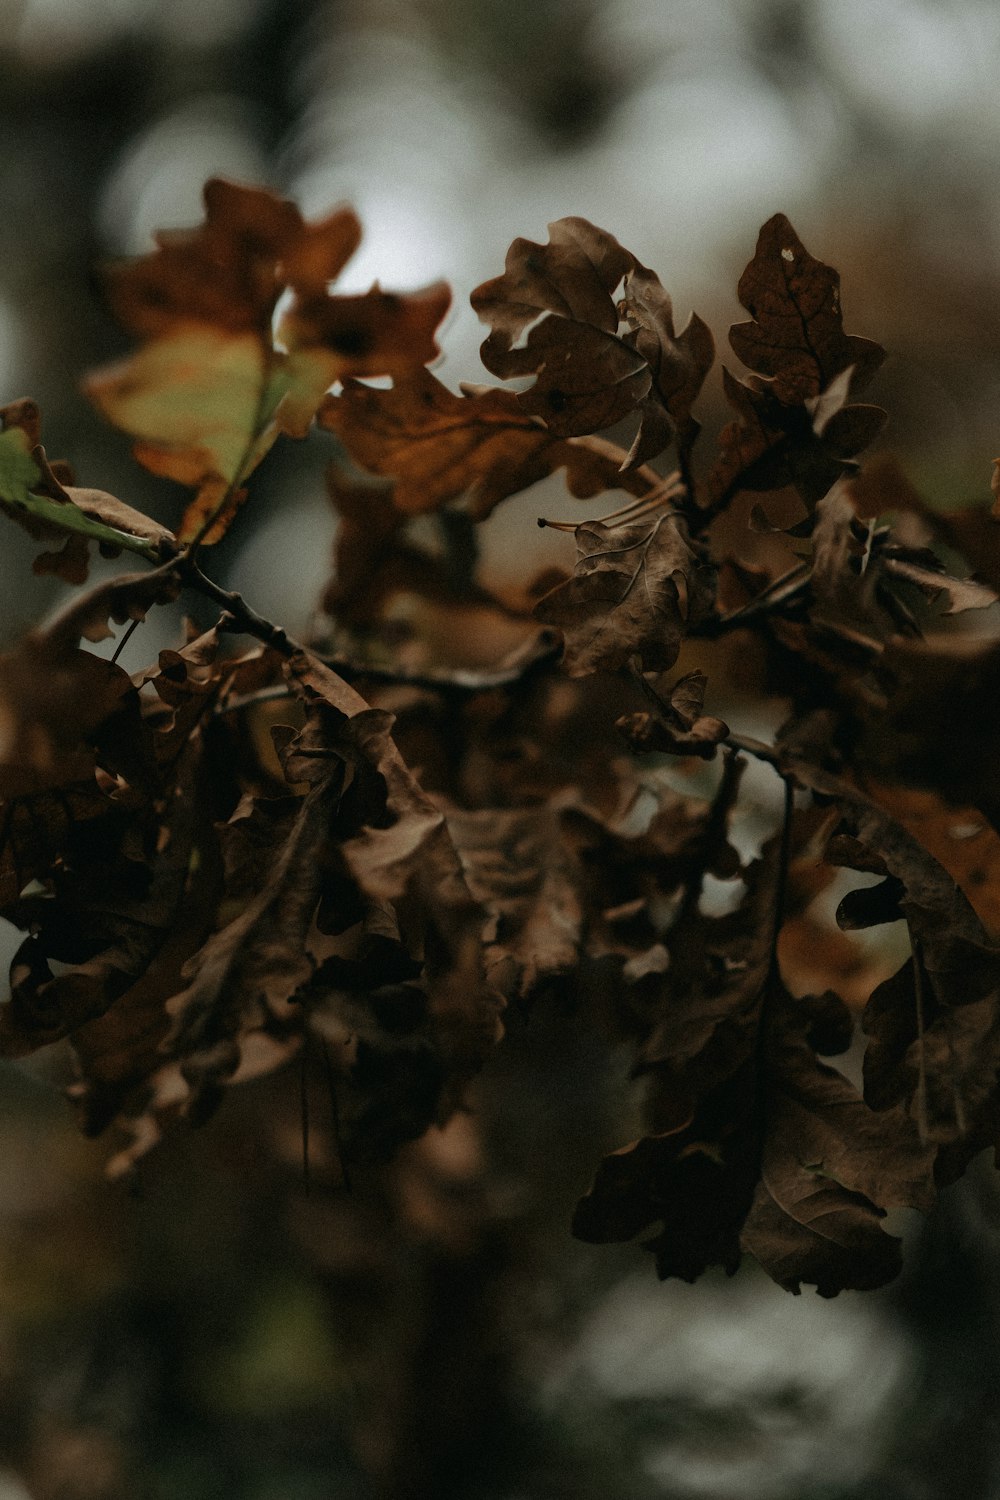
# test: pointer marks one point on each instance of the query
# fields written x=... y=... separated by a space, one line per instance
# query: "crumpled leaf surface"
x=679 y=727
x=770 y=445
x=761 y=1148
x=636 y=589
x=553 y=316
x=935 y=1025
x=526 y=875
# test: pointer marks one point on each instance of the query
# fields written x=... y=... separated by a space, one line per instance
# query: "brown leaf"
x=439 y=447
x=679 y=727
x=935 y=1026
x=678 y=362
x=523 y=872
x=780 y=1158
x=34 y=495
x=104 y=919
x=54 y=696
x=771 y=445
x=636 y=589
x=796 y=336
x=554 y=316
x=413 y=854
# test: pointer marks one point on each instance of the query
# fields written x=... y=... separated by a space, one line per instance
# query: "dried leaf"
x=525 y=874
x=554 y=316
x=796 y=336
x=678 y=362
x=32 y=495
x=439 y=447
x=679 y=727
x=636 y=590
x=770 y=445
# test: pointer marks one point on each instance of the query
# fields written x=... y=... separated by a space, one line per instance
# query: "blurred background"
x=226 y=1334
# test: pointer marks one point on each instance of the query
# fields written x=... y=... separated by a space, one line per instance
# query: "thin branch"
x=460 y=682
x=130 y=632
x=331 y=1083
x=304 y=1110
x=243 y=617
x=670 y=488
x=787 y=589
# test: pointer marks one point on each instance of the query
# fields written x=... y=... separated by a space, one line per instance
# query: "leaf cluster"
x=233 y=860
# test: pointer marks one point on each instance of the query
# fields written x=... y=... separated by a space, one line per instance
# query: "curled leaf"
x=553 y=316
x=636 y=589
x=33 y=495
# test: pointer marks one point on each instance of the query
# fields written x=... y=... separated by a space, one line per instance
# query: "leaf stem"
x=668 y=489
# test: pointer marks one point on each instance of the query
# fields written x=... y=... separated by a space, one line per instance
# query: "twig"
x=784 y=590
x=125 y=639
x=304 y=1108
x=331 y=1082
x=244 y=618
x=459 y=682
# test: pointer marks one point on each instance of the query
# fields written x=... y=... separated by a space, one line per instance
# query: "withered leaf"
x=54 y=695
x=678 y=362
x=934 y=1026
x=408 y=852
x=796 y=336
x=106 y=919
x=636 y=589
x=212 y=386
x=439 y=446
x=526 y=876
x=113 y=880
x=554 y=316
x=770 y=445
x=830 y=1167
x=780 y=1159
x=678 y=727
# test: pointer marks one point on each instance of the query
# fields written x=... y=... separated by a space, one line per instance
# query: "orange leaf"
x=211 y=387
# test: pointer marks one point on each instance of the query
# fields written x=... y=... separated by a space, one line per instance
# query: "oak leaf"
x=770 y=444
x=796 y=335
x=439 y=447
x=33 y=494
x=213 y=385
x=554 y=316
x=636 y=589
x=525 y=874
x=679 y=727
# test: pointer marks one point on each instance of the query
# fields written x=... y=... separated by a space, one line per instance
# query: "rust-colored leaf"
x=439 y=447
x=554 y=316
